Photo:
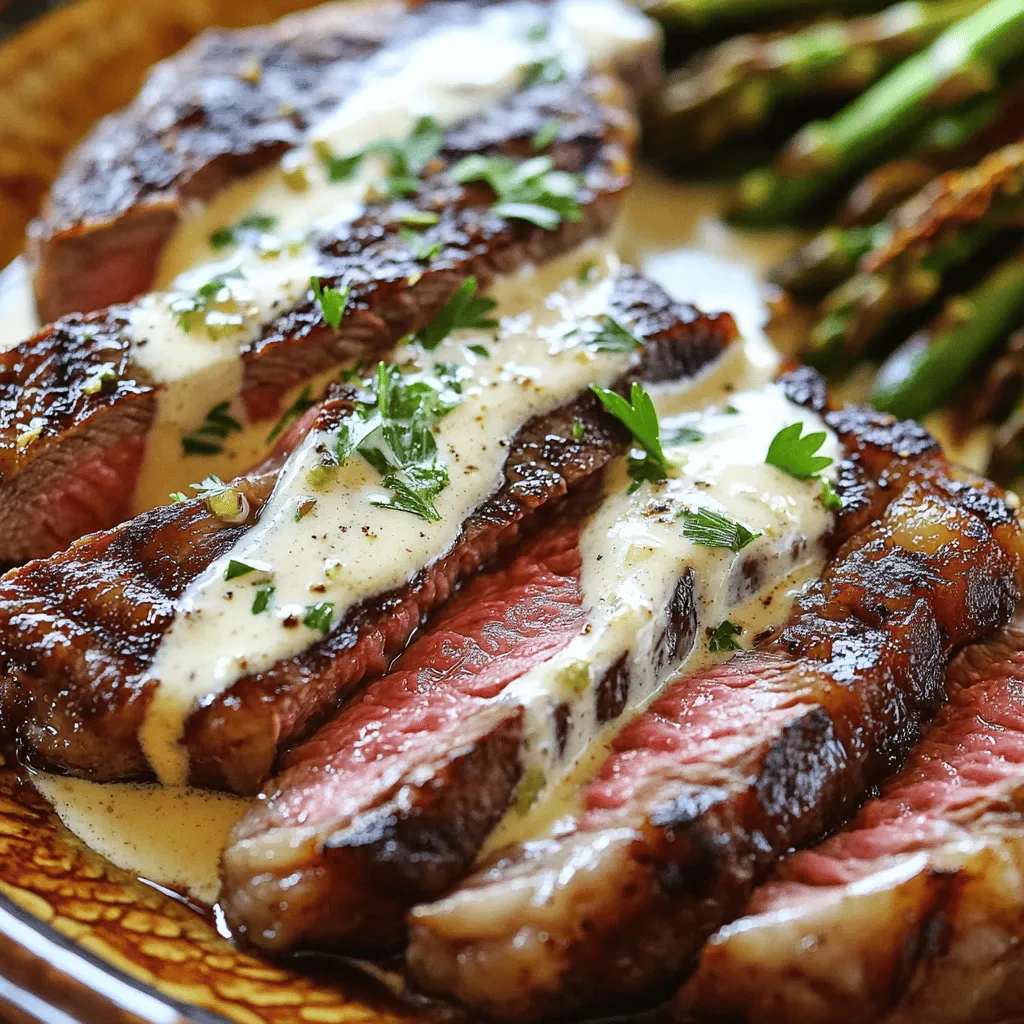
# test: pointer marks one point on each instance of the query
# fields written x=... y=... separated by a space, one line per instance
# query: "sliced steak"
x=78 y=632
x=231 y=103
x=412 y=775
x=391 y=802
x=734 y=766
x=915 y=910
x=77 y=400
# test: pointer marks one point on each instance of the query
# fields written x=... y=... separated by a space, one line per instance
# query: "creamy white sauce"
x=173 y=837
x=347 y=549
x=18 y=319
x=635 y=551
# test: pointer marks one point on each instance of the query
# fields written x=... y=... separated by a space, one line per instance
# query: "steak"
x=78 y=632
x=76 y=403
x=913 y=911
x=736 y=765
x=391 y=802
x=230 y=104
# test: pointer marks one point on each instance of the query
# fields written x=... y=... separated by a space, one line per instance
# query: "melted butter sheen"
x=347 y=549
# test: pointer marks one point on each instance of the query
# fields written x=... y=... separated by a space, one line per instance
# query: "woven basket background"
x=71 y=67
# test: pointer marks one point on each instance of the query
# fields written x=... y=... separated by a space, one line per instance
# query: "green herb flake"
x=724 y=638
x=529 y=788
x=794 y=454
x=303 y=509
x=829 y=497
x=104 y=374
x=537 y=32
x=530 y=190
x=423 y=249
x=545 y=135
x=613 y=337
x=236 y=569
x=302 y=404
x=578 y=430
x=463 y=311
x=420 y=218
x=261 y=601
x=337 y=168
x=318 y=616
x=587 y=272
x=731 y=410
x=683 y=435
x=575 y=675
x=639 y=417
x=226 y=236
x=544 y=71
x=332 y=302
x=208 y=438
x=479 y=350
x=711 y=529
x=177 y=496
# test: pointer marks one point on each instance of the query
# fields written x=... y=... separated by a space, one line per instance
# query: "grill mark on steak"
x=913 y=911
x=736 y=765
x=203 y=120
x=93 y=437
x=78 y=631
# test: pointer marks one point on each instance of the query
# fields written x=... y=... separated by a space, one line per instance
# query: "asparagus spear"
x=962 y=63
x=736 y=86
x=942 y=227
x=926 y=369
x=826 y=260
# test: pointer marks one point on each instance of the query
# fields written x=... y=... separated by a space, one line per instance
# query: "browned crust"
x=77 y=631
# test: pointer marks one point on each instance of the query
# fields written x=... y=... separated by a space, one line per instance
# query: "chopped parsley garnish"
x=465 y=309
x=208 y=438
x=683 y=435
x=420 y=218
x=332 y=302
x=731 y=410
x=236 y=569
x=530 y=190
x=479 y=350
x=586 y=272
x=104 y=374
x=223 y=237
x=711 y=529
x=423 y=249
x=261 y=602
x=639 y=417
x=303 y=509
x=794 y=454
x=211 y=307
x=537 y=32
x=547 y=70
x=337 y=168
x=829 y=498
x=724 y=637
x=318 y=616
x=532 y=782
x=410 y=156
x=301 y=404
x=545 y=135
x=177 y=496
x=578 y=430
x=613 y=337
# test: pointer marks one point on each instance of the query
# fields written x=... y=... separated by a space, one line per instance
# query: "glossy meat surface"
x=737 y=764
x=78 y=631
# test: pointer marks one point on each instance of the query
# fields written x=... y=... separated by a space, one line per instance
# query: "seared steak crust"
x=914 y=910
x=49 y=382
x=230 y=104
x=738 y=764
x=75 y=654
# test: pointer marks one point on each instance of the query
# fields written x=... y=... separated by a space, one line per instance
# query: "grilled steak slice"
x=413 y=774
x=913 y=911
x=510 y=685
x=78 y=632
x=734 y=766
x=77 y=400
x=228 y=105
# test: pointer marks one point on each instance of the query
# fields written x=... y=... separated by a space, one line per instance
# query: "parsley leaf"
x=479 y=350
x=711 y=529
x=548 y=70
x=318 y=616
x=613 y=337
x=829 y=497
x=301 y=404
x=210 y=307
x=684 y=435
x=638 y=415
x=724 y=637
x=104 y=374
x=337 y=168
x=578 y=430
x=545 y=135
x=463 y=310
x=261 y=602
x=208 y=438
x=332 y=302
x=420 y=218
x=236 y=569
x=794 y=454
x=254 y=222
x=422 y=249
x=530 y=190
x=410 y=156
